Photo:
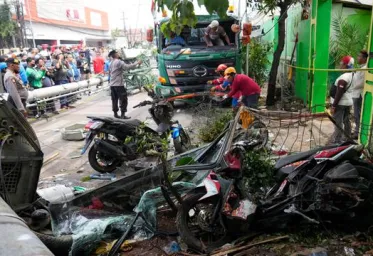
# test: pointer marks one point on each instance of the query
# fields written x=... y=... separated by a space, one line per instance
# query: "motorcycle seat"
x=299 y=157
x=106 y=119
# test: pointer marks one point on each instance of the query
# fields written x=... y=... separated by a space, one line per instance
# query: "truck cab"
x=186 y=69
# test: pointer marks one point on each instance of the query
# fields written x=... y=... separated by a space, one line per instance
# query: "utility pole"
x=31 y=26
x=125 y=29
x=20 y=19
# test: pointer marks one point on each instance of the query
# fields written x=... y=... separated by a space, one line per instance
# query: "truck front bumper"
x=173 y=90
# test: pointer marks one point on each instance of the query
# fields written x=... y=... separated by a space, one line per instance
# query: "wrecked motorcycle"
x=111 y=148
x=161 y=112
x=324 y=185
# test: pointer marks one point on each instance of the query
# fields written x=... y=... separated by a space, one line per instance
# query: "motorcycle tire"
x=92 y=158
x=182 y=143
x=185 y=233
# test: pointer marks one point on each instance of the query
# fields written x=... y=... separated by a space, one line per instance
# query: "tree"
x=348 y=39
x=270 y=6
x=258 y=60
x=115 y=33
x=7 y=25
x=183 y=13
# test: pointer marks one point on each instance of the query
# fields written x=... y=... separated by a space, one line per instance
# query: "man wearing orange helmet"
x=222 y=84
x=249 y=89
x=220 y=70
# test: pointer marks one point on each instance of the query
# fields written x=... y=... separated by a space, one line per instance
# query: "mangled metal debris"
x=216 y=206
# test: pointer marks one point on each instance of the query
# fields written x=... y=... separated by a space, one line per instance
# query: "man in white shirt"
x=357 y=93
x=341 y=100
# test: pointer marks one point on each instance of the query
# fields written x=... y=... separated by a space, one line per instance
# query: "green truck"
x=186 y=69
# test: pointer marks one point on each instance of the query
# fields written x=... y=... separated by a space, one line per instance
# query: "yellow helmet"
x=229 y=71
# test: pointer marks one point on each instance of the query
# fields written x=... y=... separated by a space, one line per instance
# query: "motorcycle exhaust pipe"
x=109 y=149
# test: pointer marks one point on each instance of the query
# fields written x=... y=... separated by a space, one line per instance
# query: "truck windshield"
x=195 y=37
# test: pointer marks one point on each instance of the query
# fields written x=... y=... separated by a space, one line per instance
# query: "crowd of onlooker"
x=45 y=66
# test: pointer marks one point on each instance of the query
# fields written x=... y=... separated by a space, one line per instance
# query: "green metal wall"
x=270 y=28
x=367 y=110
x=302 y=60
x=320 y=34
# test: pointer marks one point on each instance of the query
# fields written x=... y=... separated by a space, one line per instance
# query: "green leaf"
x=201 y=2
x=185 y=161
x=170 y=3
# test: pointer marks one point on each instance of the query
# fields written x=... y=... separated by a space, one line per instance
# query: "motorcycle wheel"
x=182 y=143
x=198 y=239
x=106 y=165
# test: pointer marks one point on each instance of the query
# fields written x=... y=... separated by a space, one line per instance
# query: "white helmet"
x=214 y=24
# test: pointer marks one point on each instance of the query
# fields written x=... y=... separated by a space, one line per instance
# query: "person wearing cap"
x=249 y=89
x=14 y=86
x=357 y=91
x=213 y=34
x=117 y=84
x=341 y=99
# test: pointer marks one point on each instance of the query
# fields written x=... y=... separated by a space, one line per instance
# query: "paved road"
x=63 y=163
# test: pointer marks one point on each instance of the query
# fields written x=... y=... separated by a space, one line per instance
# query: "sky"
x=136 y=12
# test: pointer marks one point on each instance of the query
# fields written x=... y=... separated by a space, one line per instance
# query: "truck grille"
x=195 y=72
x=12 y=173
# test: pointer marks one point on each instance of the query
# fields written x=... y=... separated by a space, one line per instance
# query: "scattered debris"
x=85 y=179
x=81 y=170
x=312 y=252
x=349 y=251
x=51 y=158
x=56 y=194
x=79 y=190
x=172 y=248
x=241 y=248
x=73 y=133
x=40 y=218
x=103 y=176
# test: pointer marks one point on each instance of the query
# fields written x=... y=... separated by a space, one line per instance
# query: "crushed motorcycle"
x=328 y=185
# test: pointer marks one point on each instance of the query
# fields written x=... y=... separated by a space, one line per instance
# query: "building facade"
x=64 y=22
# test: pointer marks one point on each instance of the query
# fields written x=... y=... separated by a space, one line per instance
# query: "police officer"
x=15 y=87
x=117 y=84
